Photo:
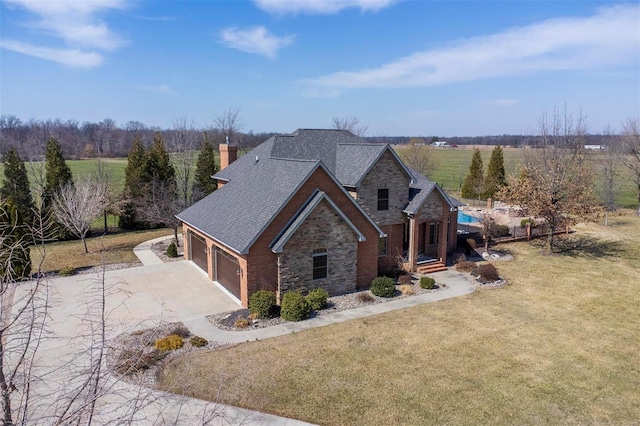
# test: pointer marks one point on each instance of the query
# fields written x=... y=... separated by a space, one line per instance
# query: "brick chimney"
x=228 y=154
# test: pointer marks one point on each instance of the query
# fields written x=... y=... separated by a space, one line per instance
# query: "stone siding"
x=432 y=208
x=323 y=229
x=386 y=173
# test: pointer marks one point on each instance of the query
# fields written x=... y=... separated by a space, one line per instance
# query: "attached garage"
x=227 y=271
x=198 y=249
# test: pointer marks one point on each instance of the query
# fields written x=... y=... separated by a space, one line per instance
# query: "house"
x=440 y=144
x=316 y=208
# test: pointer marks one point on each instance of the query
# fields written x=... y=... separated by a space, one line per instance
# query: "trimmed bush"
x=181 y=330
x=523 y=222
x=67 y=272
x=383 y=287
x=488 y=272
x=172 y=250
x=198 y=341
x=427 y=283
x=365 y=298
x=262 y=303
x=465 y=266
x=317 y=298
x=294 y=307
x=169 y=343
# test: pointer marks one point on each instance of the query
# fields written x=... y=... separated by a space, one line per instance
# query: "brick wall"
x=262 y=263
x=323 y=229
x=386 y=173
x=395 y=238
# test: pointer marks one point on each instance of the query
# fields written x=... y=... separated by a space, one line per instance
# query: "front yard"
x=560 y=345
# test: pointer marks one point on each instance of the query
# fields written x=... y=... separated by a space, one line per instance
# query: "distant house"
x=440 y=144
x=316 y=208
x=595 y=147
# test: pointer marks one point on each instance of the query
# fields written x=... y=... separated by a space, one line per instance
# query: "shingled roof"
x=259 y=184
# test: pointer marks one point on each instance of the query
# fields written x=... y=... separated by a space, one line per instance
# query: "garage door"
x=198 y=251
x=227 y=272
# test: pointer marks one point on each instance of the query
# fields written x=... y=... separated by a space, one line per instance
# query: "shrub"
x=472 y=243
x=67 y=272
x=131 y=361
x=262 y=303
x=488 y=272
x=383 y=287
x=427 y=283
x=294 y=307
x=253 y=316
x=172 y=250
x=404 y=279
x=198 y=341
x=406 y=289
x=169 y=343
x=365 y=298
x=465 y=266
x=241 y=322
x=181 y=330
x=500 y=230
x=317 y=298
x=523 y=222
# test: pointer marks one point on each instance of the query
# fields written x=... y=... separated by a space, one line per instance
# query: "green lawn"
x=559 y=345
x=116 y=248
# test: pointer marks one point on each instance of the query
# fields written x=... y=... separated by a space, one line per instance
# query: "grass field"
x=559 y=345
x=117 y=248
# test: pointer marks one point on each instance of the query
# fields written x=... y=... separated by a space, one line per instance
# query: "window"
x=383 y=199
x=320 y=264
x=382 y=246
x=433 y=233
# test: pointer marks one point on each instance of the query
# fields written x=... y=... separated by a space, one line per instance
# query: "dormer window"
x=383 y=199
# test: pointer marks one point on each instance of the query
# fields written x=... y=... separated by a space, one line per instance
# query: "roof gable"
x=301 y=216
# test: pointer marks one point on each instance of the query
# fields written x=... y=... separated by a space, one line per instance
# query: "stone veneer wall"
x=322 y=229
x=432 y=207
x=386 y=173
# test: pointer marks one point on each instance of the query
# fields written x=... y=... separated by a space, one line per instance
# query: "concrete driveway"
x=136 y=298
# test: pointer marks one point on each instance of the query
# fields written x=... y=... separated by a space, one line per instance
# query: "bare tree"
x=75 y=206
x=350 y=123
x=184 y=144
x=610 y=177
x=555 y=182
x=114 y=201
x=417 y=155
x=159 y=204
x=631 y=158
x=228 y=124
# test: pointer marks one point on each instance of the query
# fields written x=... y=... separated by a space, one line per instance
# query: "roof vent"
x=257 y=159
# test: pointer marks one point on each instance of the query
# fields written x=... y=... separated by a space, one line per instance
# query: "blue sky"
x=446 y=68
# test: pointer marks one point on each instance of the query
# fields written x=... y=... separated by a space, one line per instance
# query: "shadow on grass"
x=583 y=246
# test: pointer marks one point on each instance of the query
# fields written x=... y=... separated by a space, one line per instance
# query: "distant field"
x=452 y=164
x=450 y=168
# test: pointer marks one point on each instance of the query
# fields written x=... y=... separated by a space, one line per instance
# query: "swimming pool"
x=465 y=218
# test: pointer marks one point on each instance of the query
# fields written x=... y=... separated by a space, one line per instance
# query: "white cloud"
x=321 y=7
x=503 y=102
x=73 y=21
x=70 y=57
x=608 y=38
x=254 y=40
x=163 y=89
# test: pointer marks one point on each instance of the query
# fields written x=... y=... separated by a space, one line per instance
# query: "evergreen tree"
x=57 y=175
x=473 y=182
x=496 y=178
x=158 y=165
x=15 y=188
x=133 y=183
x=206 y=167
x=15 y=259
